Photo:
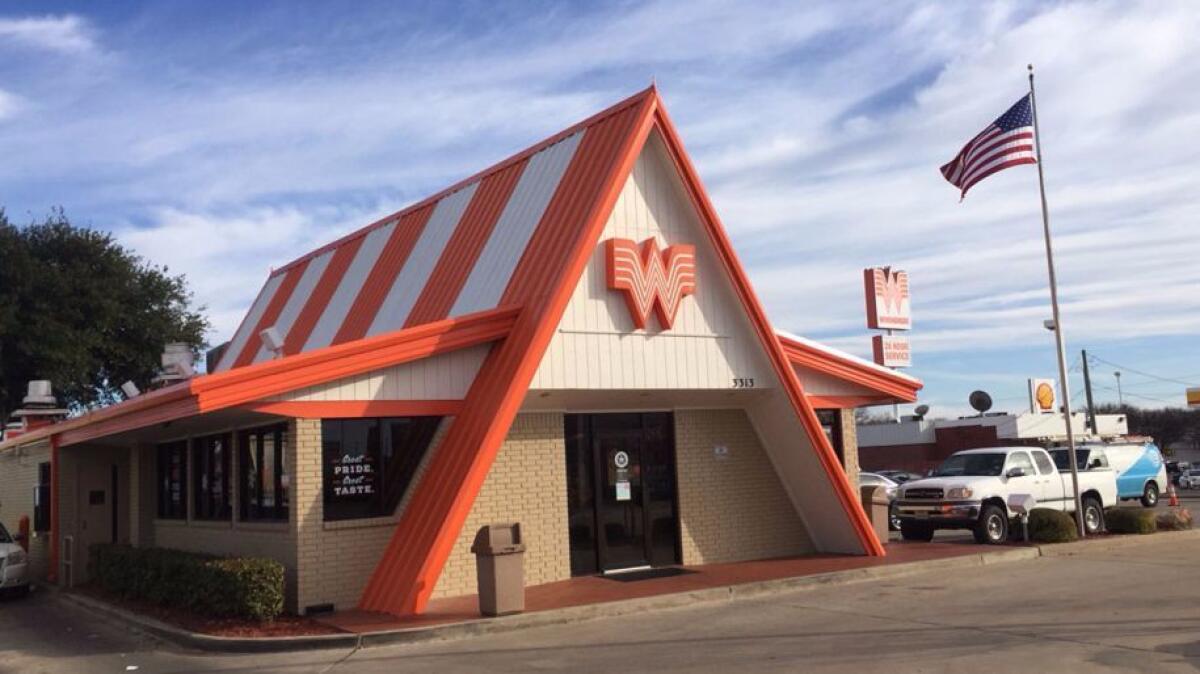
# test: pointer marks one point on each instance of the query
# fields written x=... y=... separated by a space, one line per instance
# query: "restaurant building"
x=566 y=340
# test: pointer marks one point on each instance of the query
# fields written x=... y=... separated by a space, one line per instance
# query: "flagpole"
x=1058 y=329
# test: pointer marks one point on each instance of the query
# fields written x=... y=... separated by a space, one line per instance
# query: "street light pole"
x=1120 y=397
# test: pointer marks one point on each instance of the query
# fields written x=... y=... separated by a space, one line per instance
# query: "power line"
x=1142 y=373
x=1135 y=395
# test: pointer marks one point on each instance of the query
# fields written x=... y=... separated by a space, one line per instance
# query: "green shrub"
x=213 y=586
x=1176 y=519
x=1051 y=526
x=1130 y=520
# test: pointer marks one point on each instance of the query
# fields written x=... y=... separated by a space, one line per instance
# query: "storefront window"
x=369 y=463
x=211 y=459
x=265 y=482
x=41 y=499
x=172 y=481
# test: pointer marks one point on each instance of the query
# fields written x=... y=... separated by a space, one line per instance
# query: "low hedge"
x=1051 y=526
x=1176 y=519
x=214 y=586
x=1130 y=520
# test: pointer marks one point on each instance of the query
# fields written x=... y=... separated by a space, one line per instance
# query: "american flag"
x=1005 y=143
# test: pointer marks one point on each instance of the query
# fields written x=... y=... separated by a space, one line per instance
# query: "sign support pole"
x=1058 y=328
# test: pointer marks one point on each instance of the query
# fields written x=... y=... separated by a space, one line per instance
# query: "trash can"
x=877 y=506
x=499 y=567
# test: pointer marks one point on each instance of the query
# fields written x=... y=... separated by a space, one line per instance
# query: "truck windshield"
x=971 y=464
x=1061 y=461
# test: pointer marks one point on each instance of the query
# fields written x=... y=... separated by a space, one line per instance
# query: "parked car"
x=1141 y=471
x=14 y=576
x=1190 y=479
x=970 y=490
x=877 y=480
x=1176 y=469
x=900 y=476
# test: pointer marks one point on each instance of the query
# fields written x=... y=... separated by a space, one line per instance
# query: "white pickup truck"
x=970 y=490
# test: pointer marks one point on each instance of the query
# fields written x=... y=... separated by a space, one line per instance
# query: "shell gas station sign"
x=1193 y=397
x=1042 y=396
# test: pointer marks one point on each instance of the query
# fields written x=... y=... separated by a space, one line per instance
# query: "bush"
x=1178 y=519
x=213 y=586
x=1130 y=520
x=1051 y=526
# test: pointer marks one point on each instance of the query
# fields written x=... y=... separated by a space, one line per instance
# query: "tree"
x=82 y=311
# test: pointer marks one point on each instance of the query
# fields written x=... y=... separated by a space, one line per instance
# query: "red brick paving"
x=597 y=589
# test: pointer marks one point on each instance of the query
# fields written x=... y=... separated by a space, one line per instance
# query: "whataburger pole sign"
x=888 y=308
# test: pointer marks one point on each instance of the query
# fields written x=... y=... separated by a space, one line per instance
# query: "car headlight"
x=958 y=493
x=17 y=557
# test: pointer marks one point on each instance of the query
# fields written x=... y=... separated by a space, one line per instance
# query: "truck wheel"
x=1093 y=515
x=915 y=531
x=992 y=528
x=1150 y=495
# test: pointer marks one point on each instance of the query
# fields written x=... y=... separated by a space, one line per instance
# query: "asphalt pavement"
x=1132 y=609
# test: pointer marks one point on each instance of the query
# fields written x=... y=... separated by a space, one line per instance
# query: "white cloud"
x=818 y=131
x=9 y=104
x=69 y=33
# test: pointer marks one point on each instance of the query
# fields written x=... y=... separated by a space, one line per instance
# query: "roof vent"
x=178 y=364
x=40 y=409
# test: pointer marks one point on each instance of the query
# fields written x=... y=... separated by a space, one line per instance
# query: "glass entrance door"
x=621 y=491
x=621 y=513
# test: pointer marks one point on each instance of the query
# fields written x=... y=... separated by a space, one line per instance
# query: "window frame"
x=248 y=509
x=41 y=499
x=1038 y=457
x=207 y=505
x=163 y=453
x=1011 y=463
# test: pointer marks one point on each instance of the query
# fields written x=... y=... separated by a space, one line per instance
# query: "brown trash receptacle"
x=877 y=506
x=500 y=568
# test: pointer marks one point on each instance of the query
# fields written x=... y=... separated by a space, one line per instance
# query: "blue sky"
x=221 y=142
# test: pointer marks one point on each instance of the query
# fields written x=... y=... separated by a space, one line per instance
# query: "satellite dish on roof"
x=921 y=411
x=980 y=401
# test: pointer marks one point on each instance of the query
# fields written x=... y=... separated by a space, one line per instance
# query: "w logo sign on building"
x=651 y=279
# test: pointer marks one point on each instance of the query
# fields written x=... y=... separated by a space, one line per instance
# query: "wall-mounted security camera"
x=130 y=390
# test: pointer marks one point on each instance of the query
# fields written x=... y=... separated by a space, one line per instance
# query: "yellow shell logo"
x=1044 y=396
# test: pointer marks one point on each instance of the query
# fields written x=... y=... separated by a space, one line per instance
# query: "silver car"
x=14 y=576
x=890 y=485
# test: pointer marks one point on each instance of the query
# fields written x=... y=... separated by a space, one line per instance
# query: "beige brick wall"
x=336 y=559
x=734 y=507
x=527 y=484
x=850 y=446
x=18 y=477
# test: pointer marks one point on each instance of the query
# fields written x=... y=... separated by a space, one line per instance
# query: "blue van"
x=1141 y=470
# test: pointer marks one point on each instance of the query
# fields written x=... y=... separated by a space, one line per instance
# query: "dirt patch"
x=283 y=626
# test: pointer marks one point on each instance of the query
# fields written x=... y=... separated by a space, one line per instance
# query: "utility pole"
x=1087 y=386
x=1120 y=397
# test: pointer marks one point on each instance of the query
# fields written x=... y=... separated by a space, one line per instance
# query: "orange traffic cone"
x=1172 y=498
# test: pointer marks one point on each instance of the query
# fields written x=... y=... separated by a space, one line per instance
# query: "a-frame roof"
x=455 y=253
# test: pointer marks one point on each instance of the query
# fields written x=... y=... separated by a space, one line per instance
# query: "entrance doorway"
x=621 y=501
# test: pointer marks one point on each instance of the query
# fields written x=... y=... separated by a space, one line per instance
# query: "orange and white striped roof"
x=453 y=254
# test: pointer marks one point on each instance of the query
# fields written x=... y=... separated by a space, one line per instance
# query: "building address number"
x=743 y=382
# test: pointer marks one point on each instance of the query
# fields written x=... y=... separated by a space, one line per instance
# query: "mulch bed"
x=283 y=626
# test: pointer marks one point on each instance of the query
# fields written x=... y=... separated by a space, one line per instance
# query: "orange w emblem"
x=650 y=279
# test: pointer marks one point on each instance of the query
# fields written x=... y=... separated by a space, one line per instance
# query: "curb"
x=563 y=616
x=1116 y=542
x=206 y=642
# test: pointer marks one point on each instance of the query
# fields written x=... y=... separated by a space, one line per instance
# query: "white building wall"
x=710 y=344
x=443 y=377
